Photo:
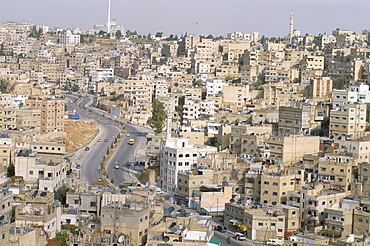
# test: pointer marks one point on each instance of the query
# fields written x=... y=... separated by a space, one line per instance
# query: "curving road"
x=90 y=160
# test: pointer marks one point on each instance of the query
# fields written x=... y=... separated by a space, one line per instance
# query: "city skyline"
x=268 y=17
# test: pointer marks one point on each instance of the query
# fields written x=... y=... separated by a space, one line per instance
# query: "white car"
x=239 y=236
x=116 y=166
x=128 y=134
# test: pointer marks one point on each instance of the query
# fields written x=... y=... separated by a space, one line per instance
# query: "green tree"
x=62 y=236
x=158 y=116
x=11 y=170
x=61 y=194
x=159 y=34
x=119 y=34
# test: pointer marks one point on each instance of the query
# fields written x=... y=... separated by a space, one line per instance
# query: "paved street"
x=90 y=160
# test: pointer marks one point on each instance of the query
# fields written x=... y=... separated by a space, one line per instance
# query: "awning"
x=215 y=241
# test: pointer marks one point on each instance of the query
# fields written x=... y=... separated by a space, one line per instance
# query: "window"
x=260 y=224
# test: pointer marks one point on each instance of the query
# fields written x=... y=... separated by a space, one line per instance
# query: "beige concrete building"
x=181 y=231
x=275 y=186
x=311 y=202
x=257 y=223
x=348 y=121
x=52 y=113
x=39 y=208
x=211 y=198
x=291 y=149
x=44 y=174
x=320 y=87
x=339 y=219
x=132 y=221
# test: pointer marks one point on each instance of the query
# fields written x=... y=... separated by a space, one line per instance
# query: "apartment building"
x=182 y=230
x=178 y=156
x=356 y=92
x=69 y=38
x=190 y=181
x=246 y=139
x=6 y=151
x=275 y=186
x=291 y=149
x=338 y=173
x=214 y=87
x=311 y=201
x=237 y=95
x=256 y=223
x=339 y=219
x=211 y=198
x=348 y=121
x=131 y=219
x=39 y=208
x=320 y=87
x=46 y=174
x=294 y=121
x=52 y=113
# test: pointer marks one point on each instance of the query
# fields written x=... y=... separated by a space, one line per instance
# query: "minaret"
x=168 y=125
x=108 y=22
x=291 y=26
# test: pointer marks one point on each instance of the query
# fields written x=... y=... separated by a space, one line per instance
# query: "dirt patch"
x=79 y=133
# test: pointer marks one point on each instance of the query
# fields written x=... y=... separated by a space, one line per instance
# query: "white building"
x=357 y=92
x=98 y=75
x=178 y=156
x=195 y=109
x=69 y=38
x=214 y=87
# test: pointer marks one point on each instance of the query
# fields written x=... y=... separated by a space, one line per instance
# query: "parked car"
x=239 y=236
x=220 y=228
x=87 y=148
x=275 y=241
x=78 y=166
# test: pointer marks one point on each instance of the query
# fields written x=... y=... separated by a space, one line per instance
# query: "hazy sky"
x=217 y=17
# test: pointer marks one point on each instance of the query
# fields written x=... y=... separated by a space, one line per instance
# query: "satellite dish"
x=121 y=238
x=147 y=184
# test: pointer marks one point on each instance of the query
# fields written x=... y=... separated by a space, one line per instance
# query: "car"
x=87 y=149
x=78 y=166
x=116 y=166
x=99 y=140
x=106 y=140
x=128 y=134
x=220 y=228
x=131 y=142
x=239 y=236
